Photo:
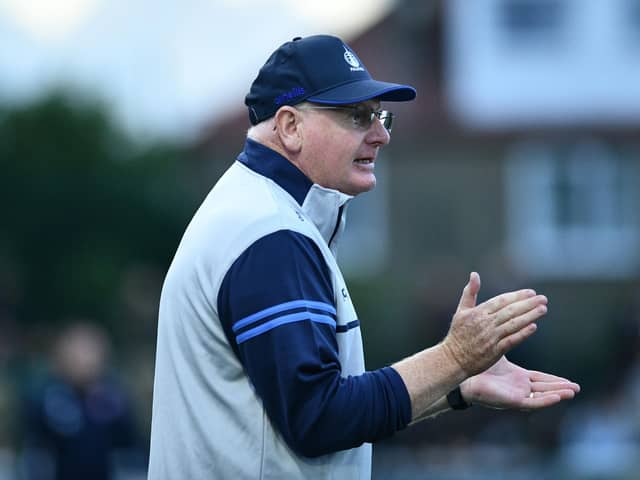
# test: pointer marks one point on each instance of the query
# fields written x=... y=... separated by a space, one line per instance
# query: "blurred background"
x=520 y=159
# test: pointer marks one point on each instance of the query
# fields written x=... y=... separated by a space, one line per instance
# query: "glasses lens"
x=363 y=117
x=386 y=118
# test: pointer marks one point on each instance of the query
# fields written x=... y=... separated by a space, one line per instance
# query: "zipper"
x=335 y=230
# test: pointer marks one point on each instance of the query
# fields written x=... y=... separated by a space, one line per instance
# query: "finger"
x=510 y=341
x=499 y=302
x=470 y=292
x=520 y=307
x=536 y=376
x=518 y=323
x=540 y=401
x=553 y=386
x=545 y=399
x=565 y=394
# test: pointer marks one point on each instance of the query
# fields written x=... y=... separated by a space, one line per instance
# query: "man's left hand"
x=506 y=385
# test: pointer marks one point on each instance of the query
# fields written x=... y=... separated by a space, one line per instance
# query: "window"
x=527 y=20
x=572 y=209
x=630 y=12
x=515 y=64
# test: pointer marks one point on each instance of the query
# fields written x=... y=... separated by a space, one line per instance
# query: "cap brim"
x=362 y=90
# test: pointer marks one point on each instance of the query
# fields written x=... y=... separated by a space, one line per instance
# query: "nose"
x=377 y=134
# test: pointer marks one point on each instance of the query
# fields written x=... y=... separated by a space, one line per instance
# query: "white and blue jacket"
x=259 y=364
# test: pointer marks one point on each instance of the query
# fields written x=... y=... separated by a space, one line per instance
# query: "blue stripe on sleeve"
x=281 y=308
x=294 y=317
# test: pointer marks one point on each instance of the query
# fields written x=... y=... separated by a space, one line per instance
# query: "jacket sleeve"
x=277 y=307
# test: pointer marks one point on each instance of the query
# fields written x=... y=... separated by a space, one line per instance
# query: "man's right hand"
x=480 y=335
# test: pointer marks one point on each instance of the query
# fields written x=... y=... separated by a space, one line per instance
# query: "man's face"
x=337 y=151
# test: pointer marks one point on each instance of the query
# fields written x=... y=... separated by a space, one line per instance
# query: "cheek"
x=330 y=154
x=337 y=163
x=333 y=152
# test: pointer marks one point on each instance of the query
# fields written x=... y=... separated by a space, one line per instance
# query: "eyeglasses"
x=362 y=116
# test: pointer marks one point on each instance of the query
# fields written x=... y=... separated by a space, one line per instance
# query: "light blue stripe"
x=276 y=322
x=281 y=308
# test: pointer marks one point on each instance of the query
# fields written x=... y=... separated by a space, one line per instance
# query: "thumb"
x=470 y=292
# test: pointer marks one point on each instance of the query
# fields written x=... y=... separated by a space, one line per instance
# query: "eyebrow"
x=374 y=107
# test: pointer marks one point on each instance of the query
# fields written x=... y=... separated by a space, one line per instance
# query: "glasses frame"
x=385 y=116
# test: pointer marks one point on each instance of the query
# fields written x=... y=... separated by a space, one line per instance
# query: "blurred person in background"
x=259 y=362
x=78 y=422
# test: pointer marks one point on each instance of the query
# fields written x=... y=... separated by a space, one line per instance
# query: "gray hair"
x=266 y=127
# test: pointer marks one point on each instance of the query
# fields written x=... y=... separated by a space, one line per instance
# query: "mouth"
x=364 y=161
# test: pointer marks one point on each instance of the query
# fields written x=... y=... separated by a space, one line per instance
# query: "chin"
x=362 y=187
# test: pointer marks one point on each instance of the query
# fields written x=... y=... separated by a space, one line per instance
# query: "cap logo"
x=290 y=95
x=352 y=60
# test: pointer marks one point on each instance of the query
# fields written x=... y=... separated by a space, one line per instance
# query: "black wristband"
x=455 y=400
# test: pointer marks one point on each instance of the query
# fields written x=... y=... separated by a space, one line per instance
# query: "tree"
x=81 y=202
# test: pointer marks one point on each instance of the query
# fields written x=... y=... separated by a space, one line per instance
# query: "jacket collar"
x=269 y=163
x=324 y=206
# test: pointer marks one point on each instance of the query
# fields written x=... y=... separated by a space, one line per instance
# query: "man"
x=260 y=370
x=78 y=420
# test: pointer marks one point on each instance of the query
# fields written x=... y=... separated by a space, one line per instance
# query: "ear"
x=288 y=127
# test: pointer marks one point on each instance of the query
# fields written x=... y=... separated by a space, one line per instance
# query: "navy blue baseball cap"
x=320 y=69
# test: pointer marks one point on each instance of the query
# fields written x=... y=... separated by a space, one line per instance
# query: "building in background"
x=550 y=91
